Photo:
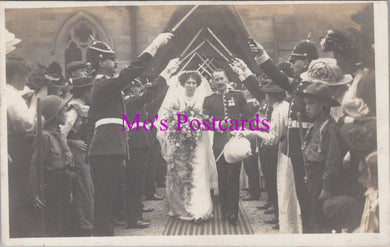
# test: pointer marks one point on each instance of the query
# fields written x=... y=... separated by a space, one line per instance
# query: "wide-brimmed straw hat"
x=326 y=70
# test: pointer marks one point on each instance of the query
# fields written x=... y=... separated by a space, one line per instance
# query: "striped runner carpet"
x=215 y=226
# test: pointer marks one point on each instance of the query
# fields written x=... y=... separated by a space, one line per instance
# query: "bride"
x=189 y=180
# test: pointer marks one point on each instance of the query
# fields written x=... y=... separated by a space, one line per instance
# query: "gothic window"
x=80 y=36
x=75 y=34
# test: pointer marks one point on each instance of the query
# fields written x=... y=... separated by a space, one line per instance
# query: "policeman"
x=108 y=144
x=301 y=56
x=226 y=104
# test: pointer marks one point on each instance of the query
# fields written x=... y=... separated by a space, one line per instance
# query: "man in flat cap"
x=108 y=143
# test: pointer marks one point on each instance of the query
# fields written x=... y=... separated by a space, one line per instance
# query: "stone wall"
x=130 y=29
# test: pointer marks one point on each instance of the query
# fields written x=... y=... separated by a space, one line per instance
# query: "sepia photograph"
x=262 y=123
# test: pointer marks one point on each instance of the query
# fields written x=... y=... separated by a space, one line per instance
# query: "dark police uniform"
x=304 y=49
x=108 y=144
x=140 y=144
x=230 y=104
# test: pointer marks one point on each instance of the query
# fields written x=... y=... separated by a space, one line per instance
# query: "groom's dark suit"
x=229 y=105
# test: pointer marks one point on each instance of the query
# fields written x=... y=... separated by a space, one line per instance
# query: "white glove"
x=258 y=50
x=160 y=40
x=171 y=68
x=240 y=68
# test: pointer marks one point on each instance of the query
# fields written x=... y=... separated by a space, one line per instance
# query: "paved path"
x=159 y=218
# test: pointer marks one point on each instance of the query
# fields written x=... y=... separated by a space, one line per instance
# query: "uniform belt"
x=295 y=124
x=105 y=121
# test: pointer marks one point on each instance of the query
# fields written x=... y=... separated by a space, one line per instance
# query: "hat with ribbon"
x=326 y=70
x=320 y=90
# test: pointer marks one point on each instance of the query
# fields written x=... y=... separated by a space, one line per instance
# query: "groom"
x=226 y=104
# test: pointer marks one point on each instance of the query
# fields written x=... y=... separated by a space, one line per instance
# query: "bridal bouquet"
x=184 y=142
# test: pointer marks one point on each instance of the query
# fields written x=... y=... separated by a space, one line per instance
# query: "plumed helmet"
x=52 y=105
x=305 y=49
x=99 y=50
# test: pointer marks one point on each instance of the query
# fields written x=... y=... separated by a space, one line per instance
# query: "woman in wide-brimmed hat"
x=75 y=129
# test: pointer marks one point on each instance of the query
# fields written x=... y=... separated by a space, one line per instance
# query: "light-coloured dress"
x=194 y=203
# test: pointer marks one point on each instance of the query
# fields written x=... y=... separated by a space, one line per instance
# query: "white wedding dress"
x=196 y=203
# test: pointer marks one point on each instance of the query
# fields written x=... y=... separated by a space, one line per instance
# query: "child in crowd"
x=57 y=162
x=322 y=150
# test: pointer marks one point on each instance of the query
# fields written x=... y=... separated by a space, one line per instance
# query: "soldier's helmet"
x=305 y=49
x=99 y=50
x=52 y=105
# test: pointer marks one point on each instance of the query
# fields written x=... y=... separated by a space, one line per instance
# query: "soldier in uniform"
x=140 y=143
x=225 y=104
x=303 y=53
x=108 y=144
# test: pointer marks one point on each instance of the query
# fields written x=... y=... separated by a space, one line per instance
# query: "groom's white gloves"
x=161 y=40
x=171 y=68
x=240 y=68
